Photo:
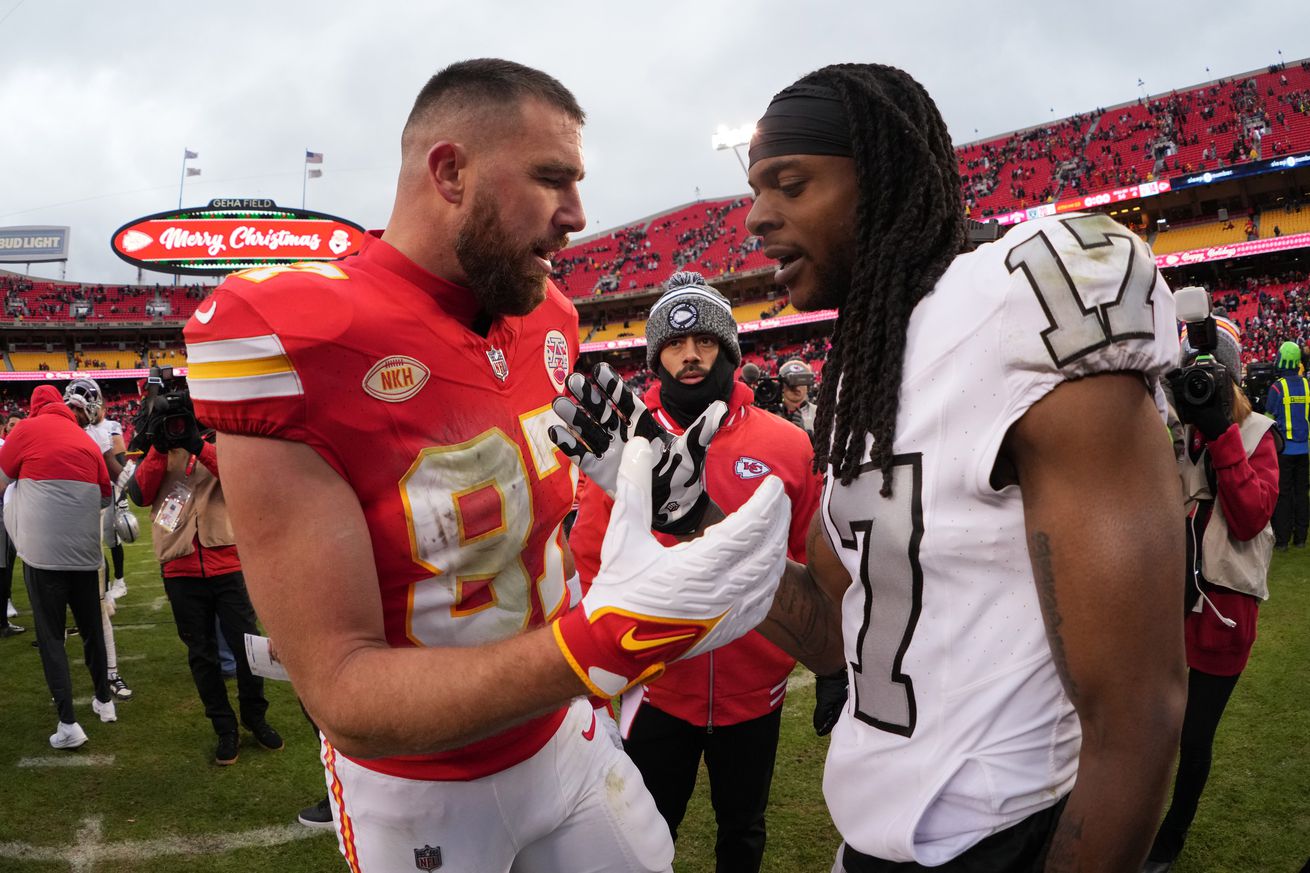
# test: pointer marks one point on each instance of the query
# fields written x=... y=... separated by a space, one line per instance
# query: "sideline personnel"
x=725 y=705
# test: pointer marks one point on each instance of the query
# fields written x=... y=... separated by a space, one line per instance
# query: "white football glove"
x=650 y=605
x=604 y=415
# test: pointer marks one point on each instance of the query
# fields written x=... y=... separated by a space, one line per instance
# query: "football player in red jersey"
x=383 y=433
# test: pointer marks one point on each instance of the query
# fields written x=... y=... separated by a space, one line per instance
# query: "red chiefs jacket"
x=61 y=483
x=745 y=679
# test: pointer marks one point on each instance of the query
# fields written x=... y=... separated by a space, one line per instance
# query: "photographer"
x=1229 y=471
x=797 y=378
x=725 y=705
x=178 y=479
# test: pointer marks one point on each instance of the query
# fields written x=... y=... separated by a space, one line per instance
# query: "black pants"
x=1207 y=696
x=1020 y=848
x=53 y=593
x=7 y=579
x=1292 y=511
x=195 y=602
x=739 y=759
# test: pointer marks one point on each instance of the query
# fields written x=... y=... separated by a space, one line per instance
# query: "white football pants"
x=577 y=806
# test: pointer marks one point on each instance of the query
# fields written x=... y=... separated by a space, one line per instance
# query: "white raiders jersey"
x=957 y=725
x=104 y=433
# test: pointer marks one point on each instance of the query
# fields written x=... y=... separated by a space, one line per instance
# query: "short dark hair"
x=491 y=81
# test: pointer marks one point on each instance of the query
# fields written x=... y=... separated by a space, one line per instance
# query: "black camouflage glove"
x=829 y=700
x=602 y=414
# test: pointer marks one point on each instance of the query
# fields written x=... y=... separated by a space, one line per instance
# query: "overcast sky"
x=99 y=99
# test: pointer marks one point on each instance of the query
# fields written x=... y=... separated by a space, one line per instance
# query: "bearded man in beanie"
x=725 y=705
x=1288 y=403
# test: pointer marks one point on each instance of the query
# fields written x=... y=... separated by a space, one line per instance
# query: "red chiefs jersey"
x=441 y=433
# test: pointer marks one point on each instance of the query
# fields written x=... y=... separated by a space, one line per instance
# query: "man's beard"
x=504 y=280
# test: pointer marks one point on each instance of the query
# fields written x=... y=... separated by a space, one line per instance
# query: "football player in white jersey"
x=1000 y=550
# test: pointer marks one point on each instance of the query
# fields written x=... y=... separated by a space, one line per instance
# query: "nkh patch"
x=749 y=468
x=395 y=378
x=556 y=354
x=499 y=366
x=428 y=857
x=683 y=315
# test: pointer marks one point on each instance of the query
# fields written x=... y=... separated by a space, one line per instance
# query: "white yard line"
x=90 y=849
x=65 y=761
x=123 y=627
x=122 y=658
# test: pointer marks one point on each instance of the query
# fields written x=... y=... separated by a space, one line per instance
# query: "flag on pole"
x=193 y=171
x=187 y=154
x=315 y=174
x=313 y=157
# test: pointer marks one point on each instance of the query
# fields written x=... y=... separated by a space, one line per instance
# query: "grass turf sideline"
x=162 y=798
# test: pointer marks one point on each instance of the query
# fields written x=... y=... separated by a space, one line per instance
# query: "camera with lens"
x=1204 y=376
x=768 y=394
x=1203 y=384
x=167 y=416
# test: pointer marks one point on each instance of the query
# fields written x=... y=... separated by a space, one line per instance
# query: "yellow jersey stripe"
x=237 y=369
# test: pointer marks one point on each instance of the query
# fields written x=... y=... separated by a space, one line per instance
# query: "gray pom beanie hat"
x=690 y=306
x=1229 y=351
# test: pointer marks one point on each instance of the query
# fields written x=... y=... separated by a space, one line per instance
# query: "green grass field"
x=161 y=805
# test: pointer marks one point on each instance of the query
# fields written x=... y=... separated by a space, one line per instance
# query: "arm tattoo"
x=1040 y=549
x=801 y=615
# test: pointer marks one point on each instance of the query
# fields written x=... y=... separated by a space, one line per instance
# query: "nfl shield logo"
x=428 y=857
x=499 y=365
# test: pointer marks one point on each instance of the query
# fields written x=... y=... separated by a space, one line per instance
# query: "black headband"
x=802 y=120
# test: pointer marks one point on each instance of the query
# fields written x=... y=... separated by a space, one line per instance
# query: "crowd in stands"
x=1226 y=122
x=44 y=300
x=1270 y=310
x=708 y=237
x=1020 y=170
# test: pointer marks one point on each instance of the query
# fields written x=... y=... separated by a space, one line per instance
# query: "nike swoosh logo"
x=204 y=317
x=591 y=731
x=632 y=643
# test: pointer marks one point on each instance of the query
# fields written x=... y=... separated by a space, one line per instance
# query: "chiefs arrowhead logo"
x=749 y=468
x=395 y=379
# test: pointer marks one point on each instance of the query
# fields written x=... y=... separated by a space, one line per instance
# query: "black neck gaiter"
x=685 y=403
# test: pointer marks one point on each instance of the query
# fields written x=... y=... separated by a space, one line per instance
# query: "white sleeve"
x=1083 y=297
x=1080 y=295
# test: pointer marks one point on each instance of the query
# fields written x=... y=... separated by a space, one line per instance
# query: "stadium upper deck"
x=1226 y=122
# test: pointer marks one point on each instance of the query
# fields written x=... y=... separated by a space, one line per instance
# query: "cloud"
x=101 y=99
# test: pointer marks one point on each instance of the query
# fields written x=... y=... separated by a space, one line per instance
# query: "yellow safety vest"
x=1288 y=400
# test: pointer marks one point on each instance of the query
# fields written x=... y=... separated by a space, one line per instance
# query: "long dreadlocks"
x=909 y=227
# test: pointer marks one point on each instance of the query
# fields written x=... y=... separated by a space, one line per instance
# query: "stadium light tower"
x=733 y=138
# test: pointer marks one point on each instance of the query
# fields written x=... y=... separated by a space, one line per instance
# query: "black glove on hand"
x=191 y=440
x=1214 y=416
x=159 y=436
x=829 y=700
